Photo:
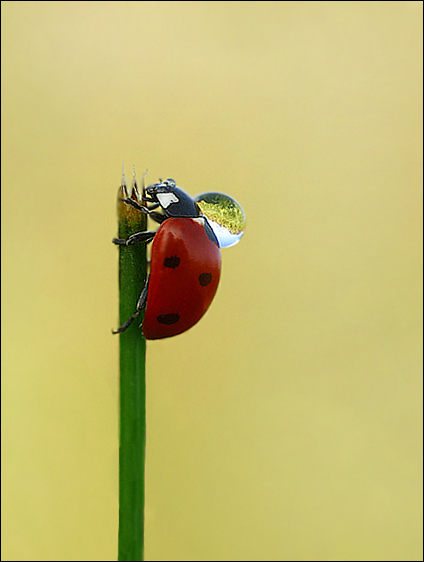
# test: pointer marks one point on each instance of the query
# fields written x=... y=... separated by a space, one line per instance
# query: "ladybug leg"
x=141 y=305
x=136 y=205
x=146 y=236
x=158 y=217
x=151 y=200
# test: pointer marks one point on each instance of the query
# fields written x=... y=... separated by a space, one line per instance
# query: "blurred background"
x=287 y=424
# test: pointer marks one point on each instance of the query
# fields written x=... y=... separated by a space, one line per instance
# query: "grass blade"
x=132 y=432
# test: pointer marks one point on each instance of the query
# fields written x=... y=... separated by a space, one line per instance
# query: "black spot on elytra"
x=172 y=262
x=168 y=319
x=205 y=279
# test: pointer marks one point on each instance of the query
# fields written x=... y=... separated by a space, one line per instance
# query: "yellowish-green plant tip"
x=126 y=212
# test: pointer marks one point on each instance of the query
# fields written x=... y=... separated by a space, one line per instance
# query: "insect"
x=185 y=263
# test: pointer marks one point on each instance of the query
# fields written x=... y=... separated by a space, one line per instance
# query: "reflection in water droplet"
x=225 y=216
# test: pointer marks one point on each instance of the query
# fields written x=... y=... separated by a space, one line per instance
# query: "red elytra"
x=184 y=275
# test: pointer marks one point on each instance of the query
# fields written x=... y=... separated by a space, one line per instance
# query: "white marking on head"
x=165 y=199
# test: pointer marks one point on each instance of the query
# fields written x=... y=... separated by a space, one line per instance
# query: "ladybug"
x=185 y=263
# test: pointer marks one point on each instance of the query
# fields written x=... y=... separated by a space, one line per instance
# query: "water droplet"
x=225 y=216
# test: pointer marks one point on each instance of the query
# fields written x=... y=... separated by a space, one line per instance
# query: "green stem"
x=132 y=434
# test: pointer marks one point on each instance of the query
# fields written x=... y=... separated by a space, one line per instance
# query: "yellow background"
x=287 y=423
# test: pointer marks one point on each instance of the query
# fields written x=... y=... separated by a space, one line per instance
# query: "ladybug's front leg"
x=141 y=305
x=145 y=236
x=158 y=217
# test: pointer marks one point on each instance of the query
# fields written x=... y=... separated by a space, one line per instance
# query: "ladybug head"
x=174 y=201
